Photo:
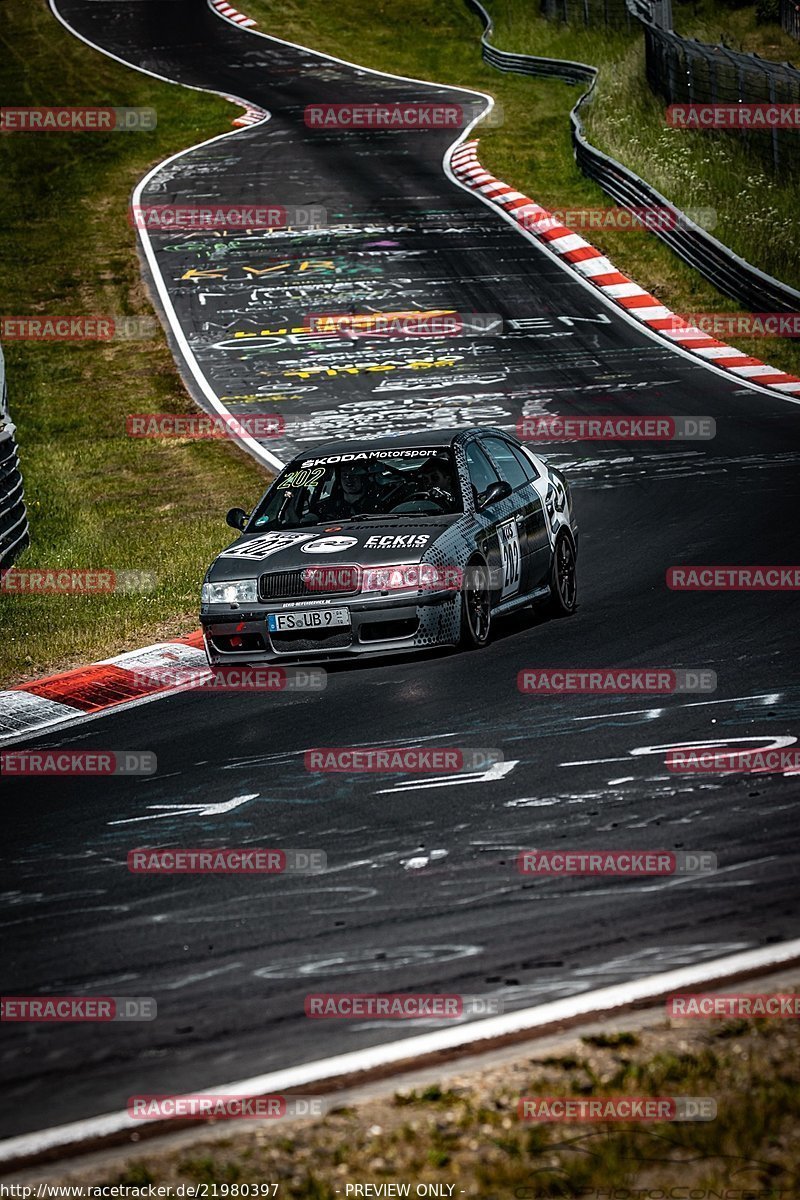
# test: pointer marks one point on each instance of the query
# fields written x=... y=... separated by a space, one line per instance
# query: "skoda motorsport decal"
x=329 y=545
x=268 y=543
x=368 y=455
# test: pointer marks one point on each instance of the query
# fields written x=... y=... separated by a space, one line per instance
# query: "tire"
x=476 y=608
x=563 y=579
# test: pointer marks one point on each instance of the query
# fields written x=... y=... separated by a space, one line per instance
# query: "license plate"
x=322 y=618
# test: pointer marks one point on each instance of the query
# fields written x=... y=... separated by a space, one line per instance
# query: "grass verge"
x=465 y=1131
x=99 y=500
x=96 y=498
x=532 y=148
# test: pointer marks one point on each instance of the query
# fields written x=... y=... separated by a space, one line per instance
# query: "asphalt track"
x=229 y=958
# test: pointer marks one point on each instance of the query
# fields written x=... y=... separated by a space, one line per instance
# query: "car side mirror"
x=495 y=491
x=236 y=518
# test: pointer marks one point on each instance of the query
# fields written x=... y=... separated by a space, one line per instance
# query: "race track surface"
x=230 y=958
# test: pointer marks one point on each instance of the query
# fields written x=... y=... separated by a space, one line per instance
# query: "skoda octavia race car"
x=392 y=544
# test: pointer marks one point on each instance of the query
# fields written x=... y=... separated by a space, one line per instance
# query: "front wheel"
x=476 y=608
x=563 y=579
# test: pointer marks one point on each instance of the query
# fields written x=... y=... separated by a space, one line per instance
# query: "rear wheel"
x=476 y=608
x=563 y=579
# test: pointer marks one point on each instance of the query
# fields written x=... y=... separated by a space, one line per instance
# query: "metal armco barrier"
x=683 y=70
x=754 y=289
x=790 y=18
x=13 y=517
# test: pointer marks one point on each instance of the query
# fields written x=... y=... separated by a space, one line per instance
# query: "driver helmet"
x=354 y=477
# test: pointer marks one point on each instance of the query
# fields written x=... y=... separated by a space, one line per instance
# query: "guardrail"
x=684 y=70
x=737 y=278
x=14 y=535
x=790 y=18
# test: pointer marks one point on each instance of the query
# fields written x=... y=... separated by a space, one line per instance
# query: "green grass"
x=468 y=1134
x=532 y=149
x=757 y=211
x=96 y=498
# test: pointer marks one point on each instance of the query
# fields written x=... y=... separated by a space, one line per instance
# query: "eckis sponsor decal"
x=268 y=543
x=400 y=541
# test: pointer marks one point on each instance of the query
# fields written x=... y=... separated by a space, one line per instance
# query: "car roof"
x=422 y=438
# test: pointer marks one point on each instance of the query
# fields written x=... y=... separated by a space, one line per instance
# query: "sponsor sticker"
x=329 y=545
x=265 y=545
x=399 y=541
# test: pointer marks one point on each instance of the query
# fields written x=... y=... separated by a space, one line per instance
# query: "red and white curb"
x=251 y=115
x=427 y=1049
x=598 y=270
x=233 y=14
x=90 y=691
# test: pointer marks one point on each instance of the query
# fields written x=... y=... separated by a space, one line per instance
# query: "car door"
x=499 y=535
x=519 y=472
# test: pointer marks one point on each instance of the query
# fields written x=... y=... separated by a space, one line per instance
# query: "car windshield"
x=367 y=485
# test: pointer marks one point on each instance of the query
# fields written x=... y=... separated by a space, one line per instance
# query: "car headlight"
x=230 y=591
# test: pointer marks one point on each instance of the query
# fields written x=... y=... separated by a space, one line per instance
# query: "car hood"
x=371 y=543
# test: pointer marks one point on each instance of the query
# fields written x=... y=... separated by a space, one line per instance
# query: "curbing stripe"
x=91 y=690
x=233 y=15
x=596 y=269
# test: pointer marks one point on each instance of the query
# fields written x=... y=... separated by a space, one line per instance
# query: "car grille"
x=285 y=585
x=289 y=642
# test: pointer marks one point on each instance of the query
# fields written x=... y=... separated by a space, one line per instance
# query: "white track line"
x=618 y=311
x=245 y=440
x=468 y=1036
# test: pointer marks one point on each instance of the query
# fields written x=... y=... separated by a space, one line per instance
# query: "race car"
x=399 y=543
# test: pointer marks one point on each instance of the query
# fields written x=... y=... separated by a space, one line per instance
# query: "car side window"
x=507 y=462
x=528 y=464
x=481 y=472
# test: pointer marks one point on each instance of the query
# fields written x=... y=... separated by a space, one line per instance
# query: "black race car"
x=392 y=544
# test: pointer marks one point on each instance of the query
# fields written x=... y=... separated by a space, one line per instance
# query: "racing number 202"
x=509 y=549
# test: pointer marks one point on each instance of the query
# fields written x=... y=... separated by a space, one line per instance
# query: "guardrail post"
x=776 y=150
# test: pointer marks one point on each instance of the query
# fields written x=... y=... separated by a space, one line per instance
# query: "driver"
x=354 y=495
x=435 y=479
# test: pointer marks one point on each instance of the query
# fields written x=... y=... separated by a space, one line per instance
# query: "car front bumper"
x=383 y=625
